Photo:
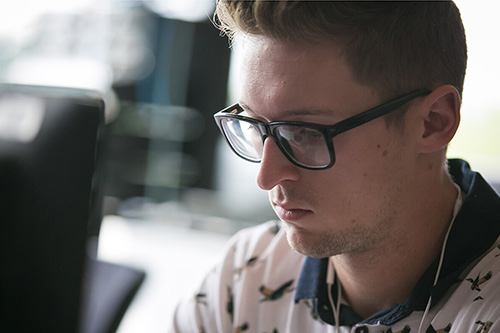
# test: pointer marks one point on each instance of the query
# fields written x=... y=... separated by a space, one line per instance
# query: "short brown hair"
x=395 y=47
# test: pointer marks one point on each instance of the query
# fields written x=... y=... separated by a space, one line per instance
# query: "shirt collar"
x=475 y=230
x=476 y=227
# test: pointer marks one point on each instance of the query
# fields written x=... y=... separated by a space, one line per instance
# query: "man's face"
x=351 y=207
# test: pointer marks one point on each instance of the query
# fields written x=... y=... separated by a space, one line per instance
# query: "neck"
x=386 y=274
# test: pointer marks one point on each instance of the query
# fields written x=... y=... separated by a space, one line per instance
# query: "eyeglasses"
x=307 y=145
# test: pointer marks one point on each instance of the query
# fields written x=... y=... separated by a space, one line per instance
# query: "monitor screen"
x=49 y=203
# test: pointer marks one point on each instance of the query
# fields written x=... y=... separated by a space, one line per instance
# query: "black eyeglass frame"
x=328 y=131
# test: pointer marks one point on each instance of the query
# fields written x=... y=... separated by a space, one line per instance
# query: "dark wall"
x=191 y=70
x=207 y=92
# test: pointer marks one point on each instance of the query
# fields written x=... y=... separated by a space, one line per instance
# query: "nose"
x=275 y=167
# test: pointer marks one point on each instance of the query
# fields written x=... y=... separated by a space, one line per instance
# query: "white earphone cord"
x=336 y=307
x=456 y=208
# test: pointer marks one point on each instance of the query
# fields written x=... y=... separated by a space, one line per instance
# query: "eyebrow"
x=297 y=112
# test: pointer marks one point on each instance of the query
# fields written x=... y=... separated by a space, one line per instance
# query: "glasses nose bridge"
x=265 y=131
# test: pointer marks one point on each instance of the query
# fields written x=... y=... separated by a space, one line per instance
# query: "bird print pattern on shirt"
x=442 y=330
x=200 y=298
x=484 y=327
x=230 y=304
x=272 y=295
x=479 y=280
x=241 y=328
x=249 y=263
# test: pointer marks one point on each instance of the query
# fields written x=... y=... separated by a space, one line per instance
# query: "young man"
x=378 y=231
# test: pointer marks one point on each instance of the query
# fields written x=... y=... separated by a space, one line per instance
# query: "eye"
x=310 y=134
x=302 y=135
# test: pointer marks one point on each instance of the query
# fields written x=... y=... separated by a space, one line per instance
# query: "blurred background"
x=173 y=192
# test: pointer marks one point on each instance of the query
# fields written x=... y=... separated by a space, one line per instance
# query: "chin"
x=310 y=244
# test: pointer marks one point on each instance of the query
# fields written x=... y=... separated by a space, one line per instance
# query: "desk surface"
x=175 y=259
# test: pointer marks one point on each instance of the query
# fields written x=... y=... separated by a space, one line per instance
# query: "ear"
x=440 y=114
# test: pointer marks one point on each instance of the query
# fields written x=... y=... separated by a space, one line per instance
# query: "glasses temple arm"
x=374 y=113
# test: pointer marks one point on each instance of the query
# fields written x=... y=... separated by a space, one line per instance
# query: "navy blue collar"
x=476 y=228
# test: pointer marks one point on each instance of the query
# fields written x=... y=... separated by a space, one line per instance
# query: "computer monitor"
x=50 y=203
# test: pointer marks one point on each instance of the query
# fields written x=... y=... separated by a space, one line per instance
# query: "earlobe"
x=441 y=117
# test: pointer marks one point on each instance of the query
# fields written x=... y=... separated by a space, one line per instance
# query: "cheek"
x=381 y=162
x=367 y=170
x=365 y=167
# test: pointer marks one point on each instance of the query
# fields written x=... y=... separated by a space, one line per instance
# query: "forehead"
x=277 y=75
x=275 y=60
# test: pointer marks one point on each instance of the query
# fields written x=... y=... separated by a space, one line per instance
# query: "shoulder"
x=475 y=303
x=259 y=243
x=482 y=283
x=259 y=235
x=255 y=263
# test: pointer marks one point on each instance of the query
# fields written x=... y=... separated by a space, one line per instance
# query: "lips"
x=290 y=214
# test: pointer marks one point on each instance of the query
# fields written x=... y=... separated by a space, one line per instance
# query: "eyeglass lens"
x=244 y=137
x=305 y=146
